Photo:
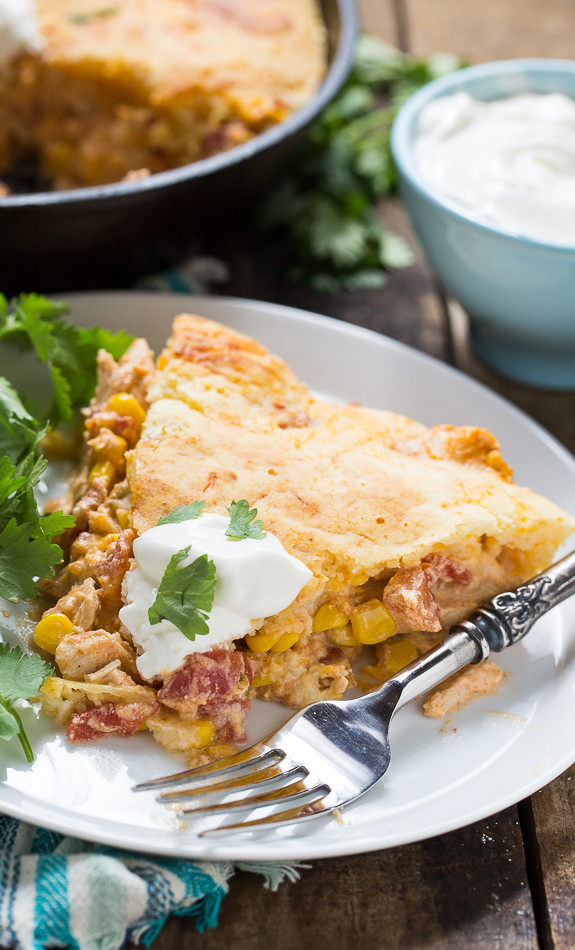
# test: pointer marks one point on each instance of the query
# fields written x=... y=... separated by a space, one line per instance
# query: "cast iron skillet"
x=110 y=235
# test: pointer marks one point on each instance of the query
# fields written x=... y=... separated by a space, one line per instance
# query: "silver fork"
x=332 y=752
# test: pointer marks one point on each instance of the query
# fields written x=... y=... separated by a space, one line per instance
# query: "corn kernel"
x=264 y=680
x=328 y=617
x=75 y=568
x=372 y=622
x=113 y=448
x=400 y=654
x=204 y=733
x=107 y=540
x=100 y=469
x=123 y=518
x=262 y=642
x=126 y=405
x=285 y=642
x=342 y=636
x=50 y=630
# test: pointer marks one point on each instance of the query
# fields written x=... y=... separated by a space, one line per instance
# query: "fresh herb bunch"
x=32 y=322
x=327 y=202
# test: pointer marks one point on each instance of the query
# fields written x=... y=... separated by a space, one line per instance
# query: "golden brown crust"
x=336 y=490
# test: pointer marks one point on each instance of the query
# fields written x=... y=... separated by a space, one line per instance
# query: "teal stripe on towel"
x=52 y=908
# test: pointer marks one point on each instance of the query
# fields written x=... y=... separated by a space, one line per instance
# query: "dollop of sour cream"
x=255 y=578
x=18 y=29
x=510 y=162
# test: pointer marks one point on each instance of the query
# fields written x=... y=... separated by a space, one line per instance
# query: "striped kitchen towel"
x=57 y=891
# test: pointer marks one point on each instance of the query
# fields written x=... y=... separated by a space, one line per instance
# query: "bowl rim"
x=403 y=127
x=335 y=76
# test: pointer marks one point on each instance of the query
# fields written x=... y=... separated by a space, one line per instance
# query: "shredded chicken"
x=473 y=681
x=410 y=601
x=80 y=605
x=80 y=653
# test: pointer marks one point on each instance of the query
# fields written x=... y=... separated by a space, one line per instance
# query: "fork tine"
x=269 y=822
x=267 y=780
x=300 y=798
x=240 y=763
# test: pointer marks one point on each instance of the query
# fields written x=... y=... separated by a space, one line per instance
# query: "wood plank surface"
x=481 y=30
x=467 y=888
x=507 y=882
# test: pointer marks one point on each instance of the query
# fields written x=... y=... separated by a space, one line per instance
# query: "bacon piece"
x=213 y=685
x=111 y=719
x=410 y=601
x=440 y=567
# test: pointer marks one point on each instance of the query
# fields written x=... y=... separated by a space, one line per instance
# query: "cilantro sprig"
x=242 y=523
x=328 y=202
x=186 y=594
x=183 y=513
x=32 y=322
x=26 y=547
x=21 y=676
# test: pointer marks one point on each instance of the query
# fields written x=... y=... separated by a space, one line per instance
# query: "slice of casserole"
x=404 y=530
x=148 y=85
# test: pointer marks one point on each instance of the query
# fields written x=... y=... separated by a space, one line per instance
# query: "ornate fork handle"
x=492 y=627
x=510 y=615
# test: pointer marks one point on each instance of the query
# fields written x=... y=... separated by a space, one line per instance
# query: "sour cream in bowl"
x=486 y=164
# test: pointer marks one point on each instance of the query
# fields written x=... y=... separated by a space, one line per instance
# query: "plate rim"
x=193 y=847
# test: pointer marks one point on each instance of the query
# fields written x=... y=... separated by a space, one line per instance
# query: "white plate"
x=443 y=775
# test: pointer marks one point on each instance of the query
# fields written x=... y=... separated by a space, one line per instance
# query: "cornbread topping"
x=390 y=532
x=510 y=162
x=254 y=579
x=18 y=29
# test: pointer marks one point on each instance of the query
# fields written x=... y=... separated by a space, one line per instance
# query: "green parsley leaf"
x=81 y=18
x=242 y=524
x=186 y=594
x=183 y=513
x=23 y=557
x=26 y=547
x=21 y=676
x=19 y=430
x=32 y=322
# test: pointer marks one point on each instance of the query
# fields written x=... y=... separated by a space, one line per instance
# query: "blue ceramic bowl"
x=519 y=293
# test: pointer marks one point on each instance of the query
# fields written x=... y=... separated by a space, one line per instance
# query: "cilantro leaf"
x=21 y=676
x=242 y=524
x=81 y=18
x=19 y=430
x=26 y=548
x=32 y=322
x=327 y=204
x=183 y=513
x=186 y=594
x=23 y=557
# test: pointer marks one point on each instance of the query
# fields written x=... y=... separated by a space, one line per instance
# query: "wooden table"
x=506 y=882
